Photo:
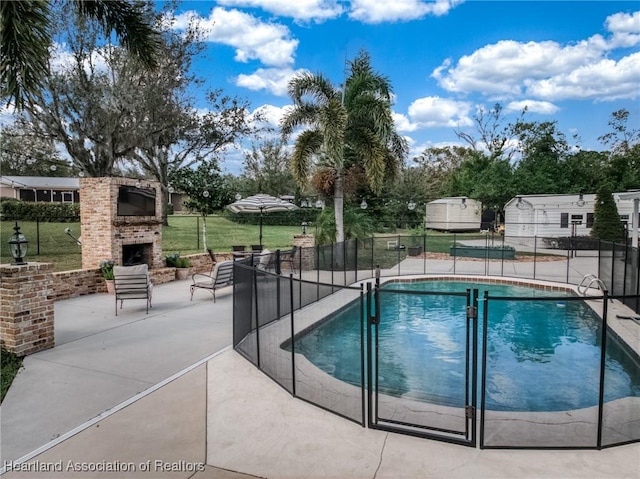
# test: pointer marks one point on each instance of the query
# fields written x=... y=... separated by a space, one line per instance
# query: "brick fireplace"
x=116 y=222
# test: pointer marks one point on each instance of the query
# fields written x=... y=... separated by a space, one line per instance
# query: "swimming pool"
x=541 y=355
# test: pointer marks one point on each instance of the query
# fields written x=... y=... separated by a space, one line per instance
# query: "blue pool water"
x=542 y=355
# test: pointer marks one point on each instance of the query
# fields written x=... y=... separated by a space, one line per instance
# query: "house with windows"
x=555 y=216
x=40 y=188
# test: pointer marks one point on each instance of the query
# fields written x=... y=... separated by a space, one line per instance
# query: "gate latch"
x=470 y=412
x=472 y=312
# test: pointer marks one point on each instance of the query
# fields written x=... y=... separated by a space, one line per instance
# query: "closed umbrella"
x=260 y=204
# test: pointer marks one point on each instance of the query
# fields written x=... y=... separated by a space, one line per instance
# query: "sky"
x=574 y=62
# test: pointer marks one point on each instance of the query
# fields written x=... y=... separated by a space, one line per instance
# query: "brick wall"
x=70 y=284
x=307 y=252
x=26 y=307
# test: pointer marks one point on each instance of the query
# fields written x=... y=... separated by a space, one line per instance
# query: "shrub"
x=12 y=209
x=174 y=260
x=606 y=223
x=183 y=263
x=171 y=259
x=107 y=268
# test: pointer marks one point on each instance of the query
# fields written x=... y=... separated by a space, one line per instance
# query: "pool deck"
x=164 y=392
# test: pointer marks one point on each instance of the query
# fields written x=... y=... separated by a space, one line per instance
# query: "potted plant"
x=182 y=265
x=416 y=240
x=106 y=266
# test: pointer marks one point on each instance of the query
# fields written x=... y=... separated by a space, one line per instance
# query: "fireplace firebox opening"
x=133 y=254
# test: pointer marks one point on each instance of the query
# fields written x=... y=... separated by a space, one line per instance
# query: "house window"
x=67 y=197
x=564 y=220
x=576 y=219
x=624 y=218
x=589 y=220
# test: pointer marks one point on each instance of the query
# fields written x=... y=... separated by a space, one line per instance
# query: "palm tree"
x=345 y=127
x=25 y=38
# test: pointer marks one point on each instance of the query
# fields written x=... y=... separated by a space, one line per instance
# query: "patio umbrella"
x=261 y=204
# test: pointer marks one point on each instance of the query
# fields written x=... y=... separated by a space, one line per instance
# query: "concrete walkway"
x=162 y=395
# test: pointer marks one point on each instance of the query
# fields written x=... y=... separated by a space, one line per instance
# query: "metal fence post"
x=363 y=322
x=257 y=303
x=293 y=336
x=603 y=351
x=535 y=255
x=370 y=320
x=38 y=236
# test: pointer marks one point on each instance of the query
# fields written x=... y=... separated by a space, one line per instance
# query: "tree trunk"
x=338 y=203
x=165 y=206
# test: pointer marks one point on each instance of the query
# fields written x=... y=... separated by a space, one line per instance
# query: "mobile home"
x=555 y=216
x=454 y=214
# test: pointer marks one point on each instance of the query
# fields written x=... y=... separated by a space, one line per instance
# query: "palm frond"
x=373 y=155
x=131 y=23
x=315 y=86
x=25 y=37
x=299 y=115
x=308 y=144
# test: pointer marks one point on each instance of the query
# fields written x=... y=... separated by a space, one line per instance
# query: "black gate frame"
x=468 y=437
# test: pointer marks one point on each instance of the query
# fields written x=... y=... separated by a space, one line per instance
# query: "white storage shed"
x=457 y=213
x=557 y=216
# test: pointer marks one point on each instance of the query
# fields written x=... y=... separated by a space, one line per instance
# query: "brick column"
x=26 y=313
x=306 y=250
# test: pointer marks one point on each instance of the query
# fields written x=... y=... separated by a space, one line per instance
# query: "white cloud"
x=63 y=61
x=549 y=70
x=300 y=10
x=270 y=43
x=533 y=106
x=503 y=67
x=402 y=123
x=274 y=80
x=271 y=114
x=433 y=112
x=7 y=115
x=604 y=80
x=625 y=28
x=377 y=11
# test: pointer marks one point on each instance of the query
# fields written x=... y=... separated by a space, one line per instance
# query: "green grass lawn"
x=48 y=242
x=183 y=235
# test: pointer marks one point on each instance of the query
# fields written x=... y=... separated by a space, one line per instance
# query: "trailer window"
x=589 y=220
x=564 y=220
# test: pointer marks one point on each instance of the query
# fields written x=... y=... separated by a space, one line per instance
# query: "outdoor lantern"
x=18 y=245
x=580 y=200
x=411 y=205
x=238 y=196
x=364 y=204
x=304 y=227
x=464 y=203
